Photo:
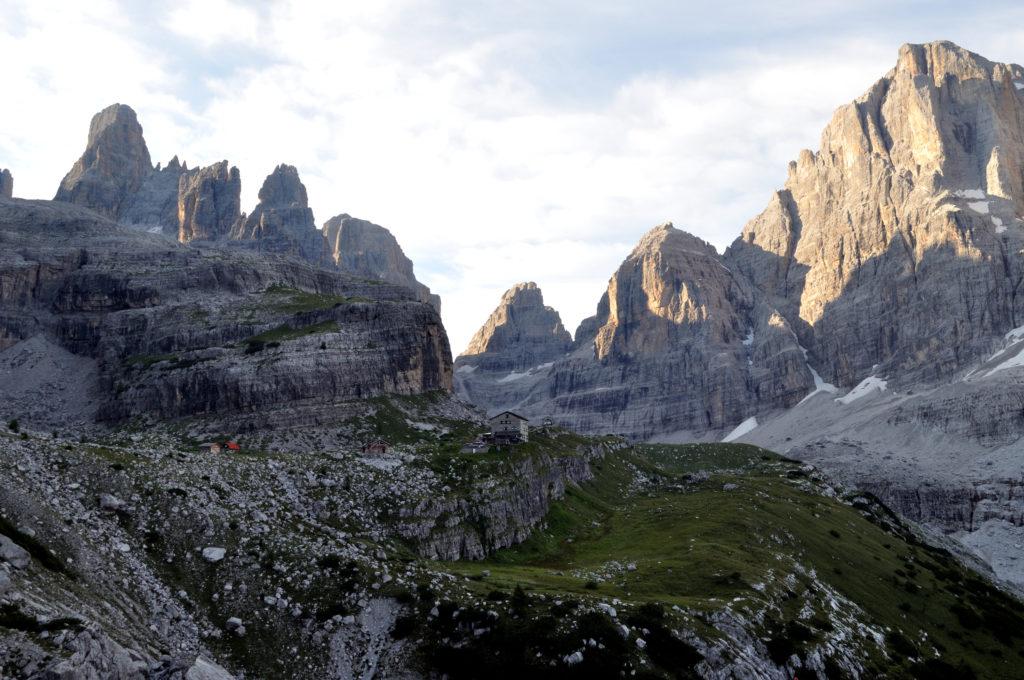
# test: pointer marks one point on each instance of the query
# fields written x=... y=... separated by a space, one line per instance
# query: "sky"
x=499 y=141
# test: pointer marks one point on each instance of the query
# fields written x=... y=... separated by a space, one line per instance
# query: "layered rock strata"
x=181 y=331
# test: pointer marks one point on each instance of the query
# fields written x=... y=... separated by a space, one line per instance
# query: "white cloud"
x=464 y=135
x=214 y=22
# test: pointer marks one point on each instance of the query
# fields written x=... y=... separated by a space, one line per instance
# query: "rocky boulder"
x=6 y=184
x=366 y=249
x=282 y=222
x=208 y=202
x=113 y=167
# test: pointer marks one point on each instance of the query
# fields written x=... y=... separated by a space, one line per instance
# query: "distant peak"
x=667 y=236
x=283 y=188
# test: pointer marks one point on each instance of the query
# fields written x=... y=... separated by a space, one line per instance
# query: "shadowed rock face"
x=521 y=333
x=113 y=167
x=6 y=184
x=209 y=202
x=155 y=205
x=215 y=332
x=282 y=221
x=366 y=249
x=895 y=248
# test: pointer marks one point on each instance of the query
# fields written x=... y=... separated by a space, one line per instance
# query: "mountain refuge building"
x=510 y=427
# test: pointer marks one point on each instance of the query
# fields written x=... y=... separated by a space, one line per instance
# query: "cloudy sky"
x=499 y=141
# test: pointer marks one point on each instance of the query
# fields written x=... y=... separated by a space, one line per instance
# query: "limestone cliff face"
x=208 y=203
x=366 y=249
x=521 y=332
x=184 y=331
x=6 y=184
x=895 y=248
x=282 y=222
x=679 y=343
x=113 y=167
x=154 y=206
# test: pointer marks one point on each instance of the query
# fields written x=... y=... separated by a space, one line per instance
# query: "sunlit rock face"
x=896 y=247
x=113 y=166
x=678 y=343
x=208 y=202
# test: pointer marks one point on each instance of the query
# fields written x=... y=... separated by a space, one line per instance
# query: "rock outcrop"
x=366 y=249
x=180 y=331
x=113 y=167
x=209 y=202
x=895 y=248
x=282 y=222
x=6 y=184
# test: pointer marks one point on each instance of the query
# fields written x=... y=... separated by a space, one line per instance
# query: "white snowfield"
x=979 y=206
x=1010 y=356
x=970 y=193
x=741 y=429
x=864 y=388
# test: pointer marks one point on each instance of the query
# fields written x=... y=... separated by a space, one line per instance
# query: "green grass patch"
x=685 y=539
x=284 y=333
x=294 y=301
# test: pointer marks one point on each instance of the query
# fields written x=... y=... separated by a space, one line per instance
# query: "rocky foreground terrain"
x=136 y=554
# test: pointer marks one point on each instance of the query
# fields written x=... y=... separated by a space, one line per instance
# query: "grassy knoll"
x=716 y=524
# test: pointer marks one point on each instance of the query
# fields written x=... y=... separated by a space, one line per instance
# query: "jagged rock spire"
x=114 y=165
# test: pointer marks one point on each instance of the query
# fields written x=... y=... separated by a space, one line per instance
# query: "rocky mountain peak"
x=521 y=332
x=114 y=165
x=283 y=189
x=672 y=284
x=916 y=191
x=6 y=183
x=371 y=251
x=282 y=222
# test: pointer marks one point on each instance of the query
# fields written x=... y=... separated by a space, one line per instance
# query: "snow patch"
x=1013 y=362
x=864 y=388
x=1019 y=85
x=749 y=340
x=465 y=368
x=819 y=384
x=969 y=193
x=979 y=206
x=1000 y=227
x=741 y=429
x=1016 y=334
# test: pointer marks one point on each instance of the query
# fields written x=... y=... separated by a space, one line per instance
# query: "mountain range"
x=868 y=320
x=233 y=444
